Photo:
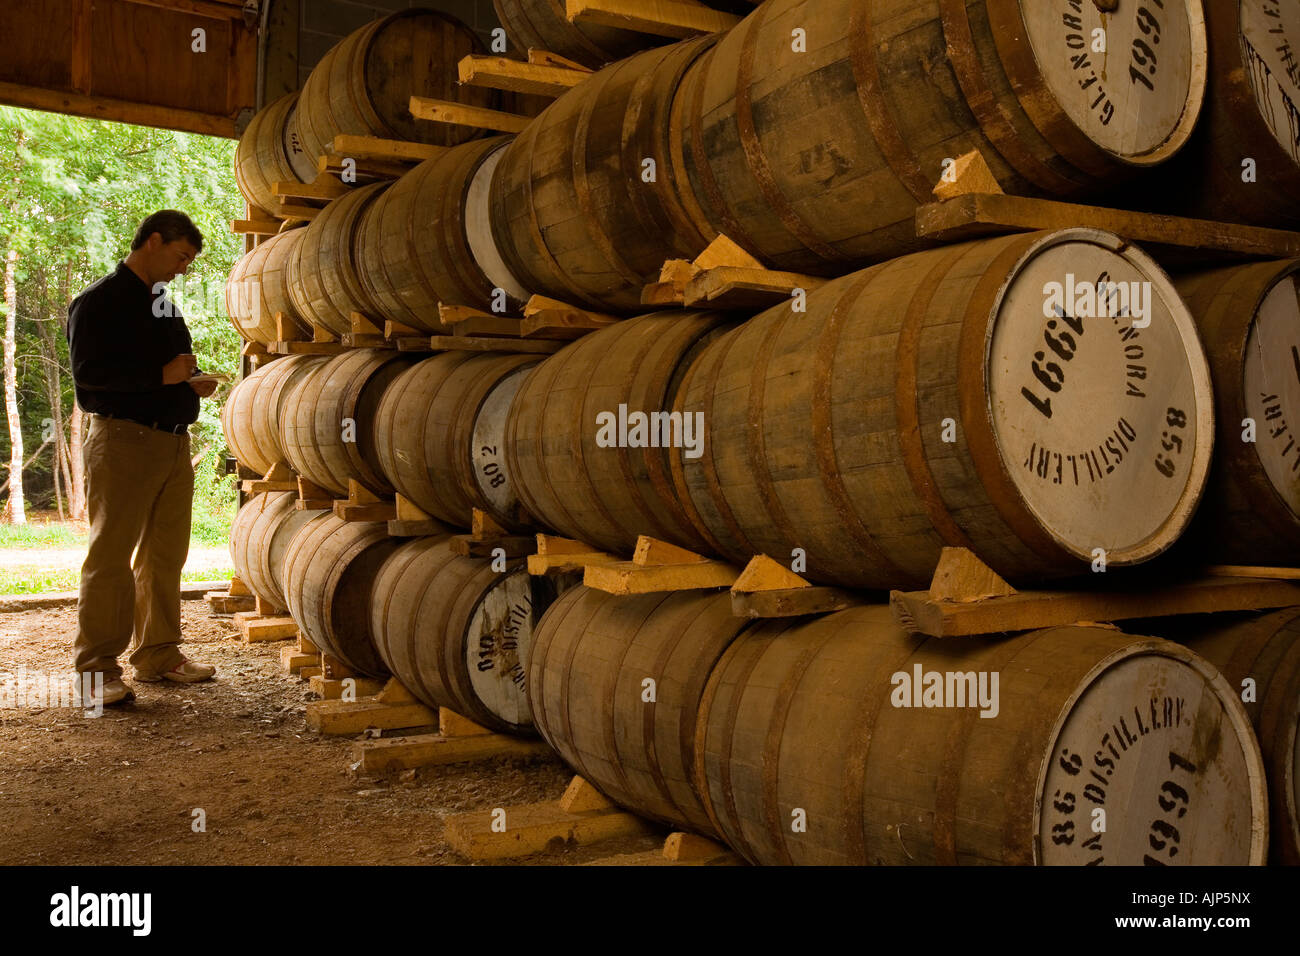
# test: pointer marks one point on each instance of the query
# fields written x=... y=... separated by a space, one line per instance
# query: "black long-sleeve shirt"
x=120 y=335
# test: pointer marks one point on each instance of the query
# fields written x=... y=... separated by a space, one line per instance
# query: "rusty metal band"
x=772 y=740
x=539 y=653
x=907 y=399
x=976 y=424
x=625 y=640
x=756 y=446
x=873 y=695
x=570 y=653
x=756 y=159
x=608 y=83
x=553 y=505
x=755 y=647
x=731 y=226
x=681 y=492
x=823 y=425
x=880 y=119
x=363 y=104
x=709 y=466
x=1020 y=65
x=699 y=770
x=995 y=125
x=574 y=424
x=457 y=258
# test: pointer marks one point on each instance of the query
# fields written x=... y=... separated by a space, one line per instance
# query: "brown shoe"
x=186 y=672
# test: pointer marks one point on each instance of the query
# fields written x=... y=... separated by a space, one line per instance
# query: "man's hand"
x=204 y=388
x=179 y=369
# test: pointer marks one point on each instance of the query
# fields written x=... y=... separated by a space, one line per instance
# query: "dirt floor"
x=123 y=788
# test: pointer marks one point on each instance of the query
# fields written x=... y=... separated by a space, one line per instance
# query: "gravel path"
x=60 y=559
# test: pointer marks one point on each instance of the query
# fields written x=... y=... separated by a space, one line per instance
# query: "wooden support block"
x=550 y=318
x=483 y=525
x=547 y=58
x=308 y=672
x=501 y=73
x=1244 y=571
x=287 y=329
x=514 y=546
x=373 y=147
x=414 y=529
x=222 y=602
x=449 y=316
x=267 y=609
x=794 y=602
x=580 y=797
x=363 y=505
x=962 y=577
x=306 y=645
x=279 y=477
x=334 y=669
x=556 y=554
x=307 y=348
x=659 y=566
x=919 y=612
x=257 y=627
x=253 y=349
x=535 y=828
x=662 y=18
x=414 y=344
x=461 y=343
x=328 y=689
x=364 y=170
x=680 y=849
x=969 y=173
x=325 y=188
x=238 y=587
x=295 y=210
x=393 y=708
x=365 y=332
x=396 y=330
x=722 y=251
x=256 y=227
x=973 y=215
x=427 y=750
x=461 y=320
x=731 y=287
x=295 y=660
x=460 y=114
x=312 y=497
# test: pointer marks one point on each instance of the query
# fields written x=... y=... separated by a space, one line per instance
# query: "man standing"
x=131 y=362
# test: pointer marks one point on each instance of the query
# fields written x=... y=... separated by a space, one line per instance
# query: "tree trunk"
x=15 y=510
x=77 y=494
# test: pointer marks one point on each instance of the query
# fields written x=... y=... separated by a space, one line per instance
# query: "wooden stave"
x=635 y=495
x=349 y=385
x=424 y=430
x=1266 y=648
x=590 y=654
x=588 y=231
x=324 y=274
x=262 y=156
x=260 y=286
x=827 y=681
x=1243 y=518
x=1011 y=539
x=329 y=570
x=250 y=418
x=336 y=99
x=412 y=246
x=983 y=57
x=424 y=581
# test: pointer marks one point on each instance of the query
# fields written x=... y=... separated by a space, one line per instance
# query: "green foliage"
x=41 y=534
x=72 y=193
x=55 y=581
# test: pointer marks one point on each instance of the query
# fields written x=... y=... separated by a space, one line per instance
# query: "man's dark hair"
x=171 y=225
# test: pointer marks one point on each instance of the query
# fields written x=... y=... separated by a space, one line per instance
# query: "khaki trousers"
x=139 y=494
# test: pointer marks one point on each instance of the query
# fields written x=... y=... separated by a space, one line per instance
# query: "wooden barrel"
x=577 y=212
x=364 y=84
x=1249 y=317
x=563 y=437
x=327 y=423
x=616 y=684
x=813 y=130
x=269 y=152
x=325 y=274
x=251 y=416
x=330 y=568
x=1252 y=117
x=457 y=633
x=440 y=435
x=842 y=740
x=929 y=402
x=1259 y=655
x=259 y=538
x=428 y=240
x=259 y=287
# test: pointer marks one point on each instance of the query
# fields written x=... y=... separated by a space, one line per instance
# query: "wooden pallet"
x=583 y=816
x=458 y=740
x=968 y=598
x=393 y=708
x=680 y=849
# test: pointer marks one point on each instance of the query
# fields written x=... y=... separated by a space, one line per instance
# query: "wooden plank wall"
x=132 y=61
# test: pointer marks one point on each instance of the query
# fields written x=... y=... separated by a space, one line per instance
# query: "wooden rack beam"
x=664 y=18
x=459 y=114
x=502 y=73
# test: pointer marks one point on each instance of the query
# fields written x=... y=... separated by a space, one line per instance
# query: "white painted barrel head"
x=491 y=473
x=1132 y=80
x=1270 y=53
x=478 y=229
x=1156 y=740
x=497 y=642
x=1104 y=427
x=1271 y=384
